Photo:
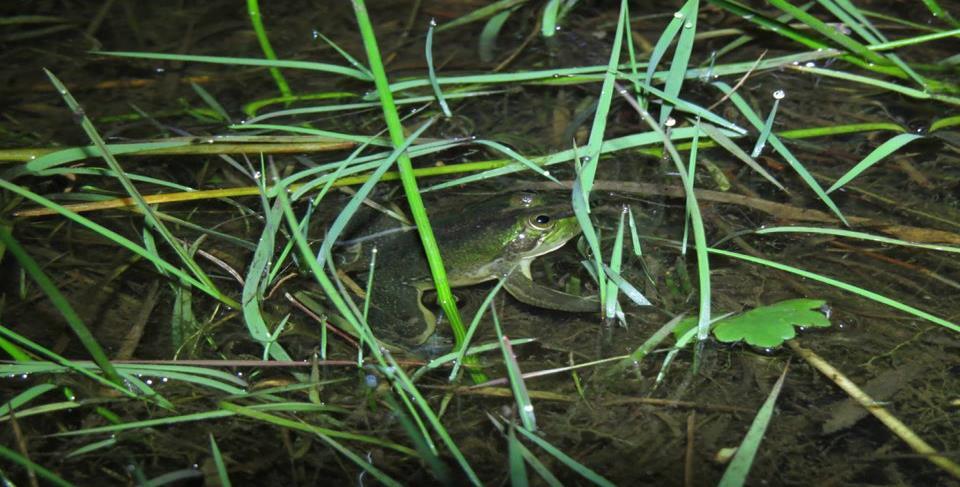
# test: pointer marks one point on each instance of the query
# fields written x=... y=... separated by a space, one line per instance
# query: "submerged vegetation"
x=751 y=194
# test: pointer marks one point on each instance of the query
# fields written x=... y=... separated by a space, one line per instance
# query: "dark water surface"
x=619 y=423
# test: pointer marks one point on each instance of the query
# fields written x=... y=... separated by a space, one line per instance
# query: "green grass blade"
x=768 y=125
x=663 y=43
x=691 y=173
x=859 y=235
x=432 y=74
x=417 y=432
x=487 y=42
x=325 y=434
x=517 y=157
x=624 y=286
x=346 y=55
x=343 y=218
x=407 y=178
x=518 y=470
x=885 y=149
x=727 y=143
x=829 y=32
x=693 y=109
x=92 y=447
x=591 y=158
x=886 y=85
x=24 y=397
x=581 y=209
x=781 y=149
x=73 y=154
x=912 y=41
x=530 y=458
x=402 y=382
x=147 y=210
x=843 y=285
x=549 y=18
x=24 y=462
x=652 y=342
x=634 y=237
x=102 y=171
x=481 y=13
x=524 y=405
x=254 y=284
x=323 y=67
x=339 y=302
x=574 y=465
x=736 y=473
x=851 y=16
x=474 y=324
x=681 y=54
x=60 y=302
x=745 y=38
x=41 y=350
x=47 y=408
x=609 y=146
x=696 y=222
x=211 y=101
x=176 y=477
x=149 y=423
x=940 y=13
x=15 y=352
x=616 y=262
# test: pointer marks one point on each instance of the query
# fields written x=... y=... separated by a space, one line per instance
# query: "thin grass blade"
x=92 y=447
x=681 y=54
x=147 y=210
x=574 y=465
x=736 y=473
x=885 y=149
x=829 y=32
x=592 y=151
x=61 y=303
x=323 y=67
x=481 y=13
x=24 y=397
x=859 y=235
x=616 y=262
x=843 y=285
x=487 y=43
x=254 y=284
x=432 y=74
x=768 y=125
x=222 y=475
x=24 y=462
x=518 y=470
x=517 y=385
x=474 y=324
x=727 y=143
x=781 y=149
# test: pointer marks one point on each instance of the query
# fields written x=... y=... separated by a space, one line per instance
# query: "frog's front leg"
x=426 y=314
x=526 y=291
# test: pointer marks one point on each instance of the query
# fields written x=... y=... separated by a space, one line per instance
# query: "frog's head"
x=491 y=237
x=538 y=231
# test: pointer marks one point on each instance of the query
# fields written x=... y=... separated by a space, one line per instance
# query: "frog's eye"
x=541 y=222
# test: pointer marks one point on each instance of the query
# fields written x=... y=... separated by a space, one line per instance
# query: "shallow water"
x=619 y=423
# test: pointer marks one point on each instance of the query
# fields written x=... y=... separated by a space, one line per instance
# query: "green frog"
x=495 y=238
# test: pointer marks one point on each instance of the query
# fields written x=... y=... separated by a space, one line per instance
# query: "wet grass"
x=388 y=418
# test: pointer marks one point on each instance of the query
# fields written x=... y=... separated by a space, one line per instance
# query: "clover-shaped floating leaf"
x=769 y=326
